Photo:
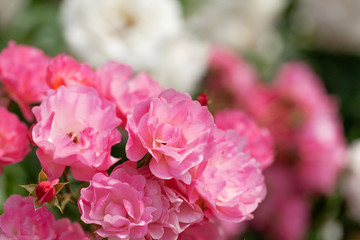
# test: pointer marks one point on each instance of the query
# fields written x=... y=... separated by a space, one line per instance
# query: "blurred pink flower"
x=296 y=110
x=284 y=201
x=75 y=127
x=322 y=149
x=175 y=130
x=230 y=79
x=232 y=185
x=21 y=221
x=14 y=142
x=116 y=84
x=64 y=70
x=66 y=230
x=22 y=72
x=212 y=229
x=259 y=142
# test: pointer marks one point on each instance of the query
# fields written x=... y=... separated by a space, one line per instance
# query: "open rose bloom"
x=76 y=127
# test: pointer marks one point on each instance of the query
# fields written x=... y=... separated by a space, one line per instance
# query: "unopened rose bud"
x=203 y=99
x=45 y=192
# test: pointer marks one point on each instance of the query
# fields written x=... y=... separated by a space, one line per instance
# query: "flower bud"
x=45 y=192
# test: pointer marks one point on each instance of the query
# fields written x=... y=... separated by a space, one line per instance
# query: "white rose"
x=240 y=24
x=9 y=10
x=149 y=35
x=130 y=31
x=333 y=24
x=183 y=65
x=350 y=184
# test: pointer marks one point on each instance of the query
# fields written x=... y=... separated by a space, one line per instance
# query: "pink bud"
x=45 y=192
x=203 y=99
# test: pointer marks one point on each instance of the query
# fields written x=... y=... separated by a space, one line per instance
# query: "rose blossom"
x=116 y=84
x=128 y=205
x=75 y=127
x=121 y=30
x=64 y=70
x=21 y=221
x=175 y=130
x=259 y=142
x=283 y=202
x=65 y=230
x=241 y=25
x=122 y=203
x=22 y=72
x=14 y=142
x=232 y=185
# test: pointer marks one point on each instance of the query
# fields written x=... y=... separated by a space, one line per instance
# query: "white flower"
x=9 y=10
x=131 y=31
x=333 y=24
x=183 y=64
x=149 y=35
x=350 y=185
x=240 y=24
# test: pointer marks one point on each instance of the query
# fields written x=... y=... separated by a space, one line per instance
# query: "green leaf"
x=55 y=202
x=42 y=177
x=30 y=188
x=59 y=186
x=66 y=200
x=37 y=205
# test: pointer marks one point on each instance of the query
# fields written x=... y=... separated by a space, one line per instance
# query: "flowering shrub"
x=180 y=170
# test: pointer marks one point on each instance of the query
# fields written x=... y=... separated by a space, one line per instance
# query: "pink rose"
x=275 y=216
x=205 y=230
x=22 y=72
x=232 y=185
x=21 y=221
x=75 y=127
x=65 y=230
x=322 y=150
x=230 y=80
x=121 y=204
x=212 y=229
x=14 y=142
x=259 y=142
x=132 y=203
x=175 y=130
x=64 y=70
x=116 y=84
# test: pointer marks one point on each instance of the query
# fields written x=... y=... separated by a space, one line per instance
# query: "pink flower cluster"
x=21 y=221
x=181 y=169
x=305 y=125
x=14 y=142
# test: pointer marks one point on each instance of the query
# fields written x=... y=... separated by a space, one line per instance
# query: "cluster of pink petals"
x=232 y=185
x=75 y=127
x=298 y=112
x=287 y=208
x=259 y=142
x=14 y=142
x=21 y=221
x=183 y=173
x=64 y=70
x=175 y=130
x=23 y=75
x=115 y=83
x=127 y=205
x=304 y=123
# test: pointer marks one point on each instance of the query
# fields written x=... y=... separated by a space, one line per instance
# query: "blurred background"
x=323 y=33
